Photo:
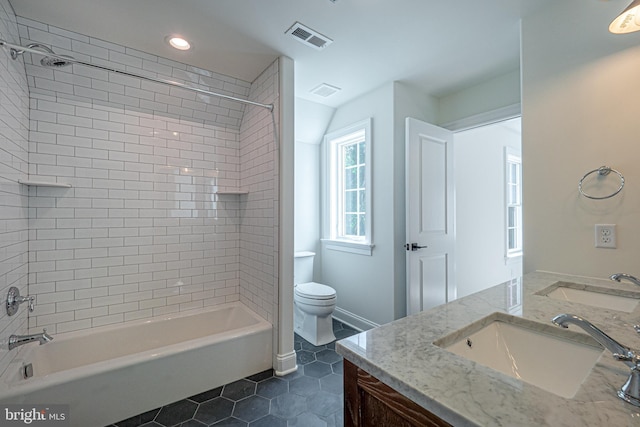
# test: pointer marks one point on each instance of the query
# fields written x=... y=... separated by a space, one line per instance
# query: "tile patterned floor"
x=311 y=396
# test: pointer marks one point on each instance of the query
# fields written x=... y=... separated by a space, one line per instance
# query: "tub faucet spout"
x=18 y=340
x=630 y=390
x=618 y=277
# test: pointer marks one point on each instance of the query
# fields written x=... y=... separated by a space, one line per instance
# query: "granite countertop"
x=403 y=355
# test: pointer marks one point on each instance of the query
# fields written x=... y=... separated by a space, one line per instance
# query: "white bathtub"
x=111 y=373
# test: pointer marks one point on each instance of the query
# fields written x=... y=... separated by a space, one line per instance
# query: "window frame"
x=334 y=201
x=513 y=157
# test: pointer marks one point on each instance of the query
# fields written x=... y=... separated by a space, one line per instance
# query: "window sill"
x=346 y=246
x=513 y=258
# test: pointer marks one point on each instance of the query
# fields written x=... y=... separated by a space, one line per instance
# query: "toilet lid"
x=315 y=290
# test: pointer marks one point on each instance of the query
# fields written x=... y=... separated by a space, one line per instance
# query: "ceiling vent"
x=308 y=36
x=325 y=90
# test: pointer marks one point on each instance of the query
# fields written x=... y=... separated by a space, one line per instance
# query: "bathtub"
x=111 y=373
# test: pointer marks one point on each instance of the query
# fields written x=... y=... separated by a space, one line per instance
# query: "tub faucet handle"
x=14 y=299
x=30 y=300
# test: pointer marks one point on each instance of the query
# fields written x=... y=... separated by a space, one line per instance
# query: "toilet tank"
x=303 y=267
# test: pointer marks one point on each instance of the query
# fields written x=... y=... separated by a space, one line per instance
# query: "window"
x=514 y=296
x=513 y=201
x=348 y=199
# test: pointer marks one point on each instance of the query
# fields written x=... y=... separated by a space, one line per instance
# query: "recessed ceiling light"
x=178 y=43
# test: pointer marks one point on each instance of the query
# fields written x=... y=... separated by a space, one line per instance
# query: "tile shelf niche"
x=44 y=184
x=234 y=191
x=62 y=185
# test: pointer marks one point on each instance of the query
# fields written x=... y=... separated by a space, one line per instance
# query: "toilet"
x=313 y=303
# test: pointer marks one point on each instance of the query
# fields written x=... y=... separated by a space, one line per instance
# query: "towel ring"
x=602 y=171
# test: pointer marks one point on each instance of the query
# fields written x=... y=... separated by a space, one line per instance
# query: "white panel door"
x=430 y=216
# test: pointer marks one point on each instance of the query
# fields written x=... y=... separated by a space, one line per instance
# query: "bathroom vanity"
x=370 y=402
x=428 y=369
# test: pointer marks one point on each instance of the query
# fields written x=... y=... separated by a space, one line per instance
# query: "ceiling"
x=440 y=46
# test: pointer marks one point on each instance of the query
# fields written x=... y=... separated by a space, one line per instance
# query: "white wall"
x=373 y=289
x=480 y=213
x=307 y=198
x=311 y=121
x=580 y=112
x=365 y=284
x=496 y=93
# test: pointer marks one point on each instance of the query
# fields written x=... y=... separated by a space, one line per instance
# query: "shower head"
x=51 y=61
x=58 y=61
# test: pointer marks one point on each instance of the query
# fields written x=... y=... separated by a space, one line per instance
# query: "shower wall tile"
x=14 y=133
x=258 y=174
x=142 y=231
x=83 y=84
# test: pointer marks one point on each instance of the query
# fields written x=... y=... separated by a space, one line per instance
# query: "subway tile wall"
x=142 y=231
x=259 y=175
x=14 y=133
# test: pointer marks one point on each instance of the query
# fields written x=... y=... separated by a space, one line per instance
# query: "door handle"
x=413 y=247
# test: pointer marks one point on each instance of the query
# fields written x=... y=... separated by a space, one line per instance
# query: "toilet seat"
x=315 y=291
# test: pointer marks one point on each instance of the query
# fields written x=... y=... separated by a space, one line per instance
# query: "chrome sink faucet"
x=18 y=340
x=618 y=277
x=630 y=390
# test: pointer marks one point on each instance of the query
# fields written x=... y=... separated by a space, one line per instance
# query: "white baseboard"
x=285 y=364
x=353 y=320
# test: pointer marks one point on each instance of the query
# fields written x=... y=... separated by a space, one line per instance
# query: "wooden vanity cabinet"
x=370 y=403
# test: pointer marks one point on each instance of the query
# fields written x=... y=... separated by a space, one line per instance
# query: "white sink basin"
x=538 y=354
x=613 y=299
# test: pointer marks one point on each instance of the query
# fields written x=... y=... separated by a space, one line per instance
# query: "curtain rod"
x=18 y=50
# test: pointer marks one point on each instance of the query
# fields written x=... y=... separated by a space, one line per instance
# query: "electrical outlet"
x=606 y=236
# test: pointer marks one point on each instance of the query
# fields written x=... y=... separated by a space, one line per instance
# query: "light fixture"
x=178 y=42
x=628 y=21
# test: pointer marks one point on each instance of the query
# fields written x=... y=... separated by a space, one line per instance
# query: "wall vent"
x=325 y=90
x=308 y=36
